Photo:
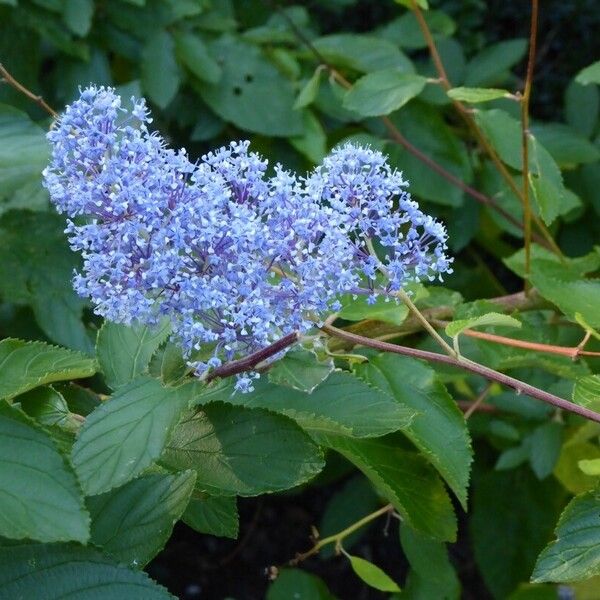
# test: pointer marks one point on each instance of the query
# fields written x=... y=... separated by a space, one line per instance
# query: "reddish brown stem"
x=10 y=80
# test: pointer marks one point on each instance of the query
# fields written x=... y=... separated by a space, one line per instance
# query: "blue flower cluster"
x=234 y=256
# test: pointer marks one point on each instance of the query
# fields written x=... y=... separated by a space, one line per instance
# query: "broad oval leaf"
x=160 y=72
x=125 y=435
x=382 y=92
x=132 y=523
x=124 y=352
x=490 y=66
x=575 y=554
x=241 y=451
x=193 y=53
x=26 y=365
x=438 y=430
x=372 y=575
x=40 y=498
x=301 y=370
x=590 y=74
x=57 y=571
x=215 y=515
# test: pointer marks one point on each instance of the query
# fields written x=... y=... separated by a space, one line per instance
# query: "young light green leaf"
x=26 y=365
x=405 y=479
x=309 y=92
x=586 y=392
x=301 y=370
x=40 y=498
x=475 y=95
x=160 y=71
x=75 y=572
x=438 y=430
x=124 y=352
x=215 y=515
x=575 y=554
x=193 y=53
x=590 y=74
x=341 y=405
x=382 y=92
x=372 y=575
x=132 y=523
x=125 y=435
x=455 y=328
x=241 y=451
x=590 y=467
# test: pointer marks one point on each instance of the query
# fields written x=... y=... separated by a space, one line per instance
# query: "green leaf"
x=582 y=106
x=590 y=467
x=489 y=67
x=132 y=523
x=590 y=74
x=78 y=16
x=455 y=328
x=26 y=365
x=40 y=498
x=405 y=479
x=439 y=430
x=124 y=352
x=545 y=448
x=160 y=72
x=372 y=575
x=586 y=392
x=299 y=585
x=309 y=92
x=362 y=53
x=575 y=554
x=567 y=469
x=240 y=451
x=58 y=571
x=474 y=95
x=405 y=30
x=382 y=92
x=359 y=309
x=300 y=369
x=244 y=94
x=36 y=268
x=341 y=405
x=420 y=3
x=24 y=151
x=312 y=143
x=432 y=570
x=565 y=288
x=215 y=515
x=168 y=365
x=125 y=435
x=566 y=146
x=48 y=407
x=507 y=540
x=193 y=53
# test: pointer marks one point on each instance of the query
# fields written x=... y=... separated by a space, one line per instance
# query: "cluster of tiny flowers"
x=234 y=257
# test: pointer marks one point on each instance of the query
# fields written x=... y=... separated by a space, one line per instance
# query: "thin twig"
x=477 y=404
x=519 y=386
x=10 y=80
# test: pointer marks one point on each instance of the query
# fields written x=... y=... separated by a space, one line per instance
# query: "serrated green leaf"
x=439 y=428
x=586 y=392
x=241 y=451
x=309 y=92
x=372 y=575
x=244 y=94
x=74 y=571
x=405 y=479
x=193 y=53
x=26 y=365
x=299 y=585
x=125 y=435
x=575 y=554
x=590 y=74
x=455 y=328
x=160 y=72
x=124 y=352
x=341 y=405
x=40 y=498
x=215 y=515
x=48 y=407
x=475 y=95
x=381 y=310
x=301 y=370
x=382 y=92
x=132 y=523
x=168 y=365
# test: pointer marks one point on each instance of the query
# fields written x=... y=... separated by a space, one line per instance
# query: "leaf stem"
x=468 y=365
x=10 y=80
x=337 y=538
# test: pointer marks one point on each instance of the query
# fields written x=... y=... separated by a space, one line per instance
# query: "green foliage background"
x=219 y=70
